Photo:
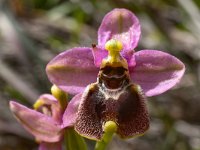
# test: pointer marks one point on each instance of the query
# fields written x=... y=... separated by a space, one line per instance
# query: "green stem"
x=101 y=145
x=73 y=141
x=110 y=128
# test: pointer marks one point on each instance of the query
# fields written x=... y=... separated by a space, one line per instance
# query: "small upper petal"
x=43 y=127
x=69 y=116
x=72 y=70
x=156 y=71
x=121 y=25
x=48 y=99
x=99 y=54
x=55 y=108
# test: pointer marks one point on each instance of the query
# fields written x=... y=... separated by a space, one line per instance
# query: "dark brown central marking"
x=112 y=77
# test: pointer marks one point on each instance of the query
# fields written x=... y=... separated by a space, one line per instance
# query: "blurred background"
x=32 y=32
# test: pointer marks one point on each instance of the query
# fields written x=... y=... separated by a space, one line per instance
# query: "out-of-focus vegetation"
x=34 y=31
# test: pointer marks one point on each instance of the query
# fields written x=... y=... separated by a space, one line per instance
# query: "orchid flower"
x=112 y=80
x=46 y=126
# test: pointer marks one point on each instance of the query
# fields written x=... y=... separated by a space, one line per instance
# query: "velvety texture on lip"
x=129 y=112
